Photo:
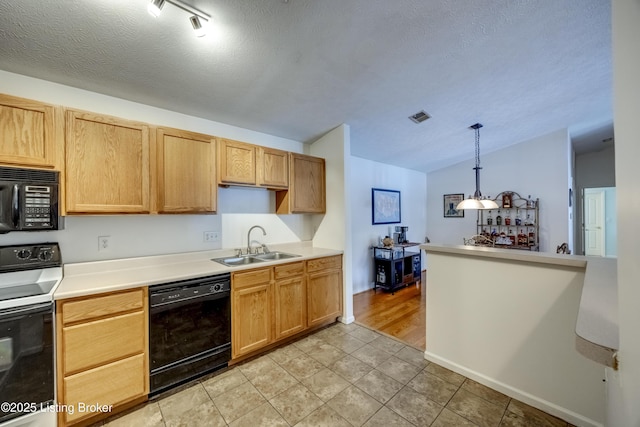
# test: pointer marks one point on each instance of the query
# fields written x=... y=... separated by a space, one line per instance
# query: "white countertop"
x=597 y=322
x=508 y=254
x=89 y=278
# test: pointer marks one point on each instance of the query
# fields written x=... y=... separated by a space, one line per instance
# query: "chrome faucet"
x=264 y=233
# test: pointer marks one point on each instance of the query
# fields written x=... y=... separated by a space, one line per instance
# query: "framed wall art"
x=450 y=203
x=385 y=206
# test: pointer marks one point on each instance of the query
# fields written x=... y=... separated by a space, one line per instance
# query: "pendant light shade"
x=477 y=201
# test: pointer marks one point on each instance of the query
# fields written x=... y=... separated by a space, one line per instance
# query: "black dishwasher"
x=189 y=329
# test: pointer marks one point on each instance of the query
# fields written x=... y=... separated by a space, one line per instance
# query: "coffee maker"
x=400 y=236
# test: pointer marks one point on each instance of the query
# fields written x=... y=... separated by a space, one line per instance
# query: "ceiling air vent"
x=419 y=117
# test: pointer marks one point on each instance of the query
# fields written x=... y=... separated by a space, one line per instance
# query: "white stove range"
x=29 y=275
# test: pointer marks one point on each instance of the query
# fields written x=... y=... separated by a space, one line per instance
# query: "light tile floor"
x=343 y=375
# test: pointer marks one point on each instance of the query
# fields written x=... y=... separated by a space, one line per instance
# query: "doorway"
x=599 y=226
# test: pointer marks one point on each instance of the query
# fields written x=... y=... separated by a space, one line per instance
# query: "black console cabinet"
x=396 y=267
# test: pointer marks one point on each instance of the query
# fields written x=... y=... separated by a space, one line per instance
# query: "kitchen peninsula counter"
x=89 y=278
x=514 y=320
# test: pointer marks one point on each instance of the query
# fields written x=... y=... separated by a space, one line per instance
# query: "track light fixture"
x=155 y=7
x=197 y=17
x=197 y=26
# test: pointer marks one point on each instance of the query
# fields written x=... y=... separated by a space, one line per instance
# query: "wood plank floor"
x=401 y=315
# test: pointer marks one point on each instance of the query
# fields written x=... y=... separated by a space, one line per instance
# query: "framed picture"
x=450 y=203
x=385 y=206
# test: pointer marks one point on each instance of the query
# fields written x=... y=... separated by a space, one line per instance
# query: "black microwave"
x=28 y=200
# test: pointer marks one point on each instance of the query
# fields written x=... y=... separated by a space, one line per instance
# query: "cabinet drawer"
x=102 y=341
x=96 y=307
x=327 y=263
x=252 y=277
x=287 y=270
x=110 y=384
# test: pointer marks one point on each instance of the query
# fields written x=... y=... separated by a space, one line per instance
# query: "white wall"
x=365 y=175
x=141 y=235
x=538 y=167
x=510 y=325
x=332 y=230
x=624 y=386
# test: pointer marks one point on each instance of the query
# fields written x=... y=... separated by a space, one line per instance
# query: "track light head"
x=197 y=25
x=155 y=7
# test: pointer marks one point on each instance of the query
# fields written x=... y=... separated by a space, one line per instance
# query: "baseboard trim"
x=346 y=320
x=515 y=393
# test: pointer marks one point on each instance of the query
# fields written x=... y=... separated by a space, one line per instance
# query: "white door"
x=594 y=222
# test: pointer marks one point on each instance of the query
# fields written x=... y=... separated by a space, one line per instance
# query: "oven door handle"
x=26 y=310
x=156 y=308
x=15 y=205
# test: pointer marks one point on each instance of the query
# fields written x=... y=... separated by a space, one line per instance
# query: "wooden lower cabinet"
x=273 y=303
x=290 y=296
x=324 y=287
x=102 y=354
x=251 y=316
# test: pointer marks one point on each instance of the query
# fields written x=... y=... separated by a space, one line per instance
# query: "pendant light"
x=477 y=201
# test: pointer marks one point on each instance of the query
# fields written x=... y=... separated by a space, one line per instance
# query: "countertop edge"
x=84 y=279
x=508 y=254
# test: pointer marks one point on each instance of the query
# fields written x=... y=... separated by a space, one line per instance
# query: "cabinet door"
x=272 y=168
x=237 y=162
x=250 y=311
x=116 y=383
x=101 y=352
x=107 y=164
x=186 y=172
x=324 y=293
x=307 y=192
x=95 y=343
x=290 y=299
x=27 y=132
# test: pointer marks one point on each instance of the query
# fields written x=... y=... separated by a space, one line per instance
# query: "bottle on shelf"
x=523 y=239
x=528 y=220
x=532 y=238
x=507 y=218
x=518 y=218
x=531 y=203
x=499 y=218
x=489 y=218
x=511 y=237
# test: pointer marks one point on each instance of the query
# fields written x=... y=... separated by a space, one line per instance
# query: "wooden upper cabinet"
x=28 y=132
x=272 y=168
x=107 y=164
x=186 y=172
x=307 y=186
x=236 y=162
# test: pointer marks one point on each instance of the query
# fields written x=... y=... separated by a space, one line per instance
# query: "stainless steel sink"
x=236 y=261
x=251 y=259
x=272 y=256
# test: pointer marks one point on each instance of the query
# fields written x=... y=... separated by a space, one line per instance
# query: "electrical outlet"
x=211 y=236
x=103 y=243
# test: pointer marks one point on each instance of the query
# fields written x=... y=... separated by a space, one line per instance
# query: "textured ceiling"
x=298 y=68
